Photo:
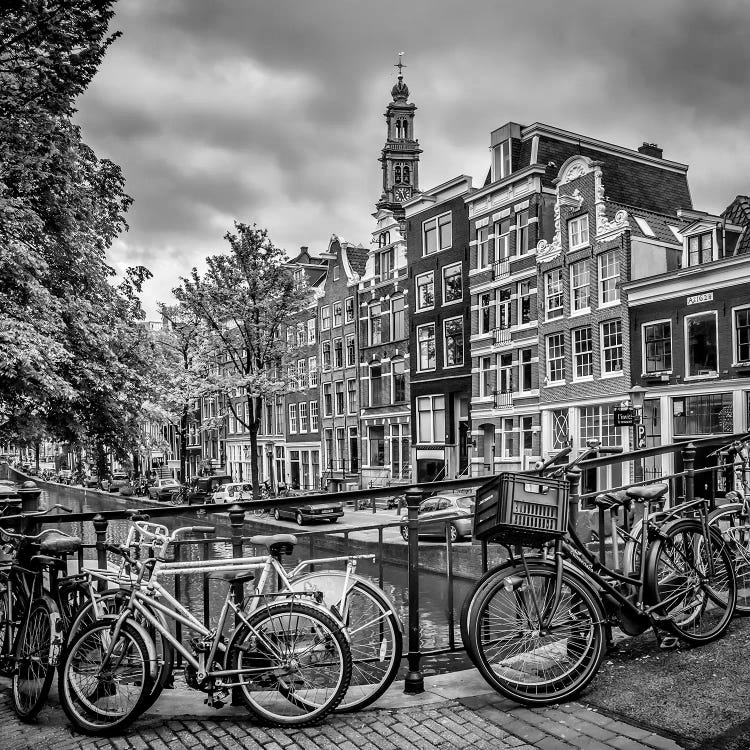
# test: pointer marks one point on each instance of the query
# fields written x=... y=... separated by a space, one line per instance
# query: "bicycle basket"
x=521 y=509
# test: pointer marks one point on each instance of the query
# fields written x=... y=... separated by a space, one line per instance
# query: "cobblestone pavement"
x=475 y=722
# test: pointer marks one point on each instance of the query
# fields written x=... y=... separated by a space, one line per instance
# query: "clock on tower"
x=402 y=193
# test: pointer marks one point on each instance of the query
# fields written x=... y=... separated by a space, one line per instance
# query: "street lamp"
x=637 y=394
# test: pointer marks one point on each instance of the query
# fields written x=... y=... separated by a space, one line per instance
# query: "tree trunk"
x=254 y=405
x=183 y=443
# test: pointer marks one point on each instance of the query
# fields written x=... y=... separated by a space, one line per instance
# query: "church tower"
x=400 y=155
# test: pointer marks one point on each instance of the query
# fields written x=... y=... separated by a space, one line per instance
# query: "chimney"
x=650 y=149
x=303 y=249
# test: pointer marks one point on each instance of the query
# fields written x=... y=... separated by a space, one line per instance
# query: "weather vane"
x=399 y=64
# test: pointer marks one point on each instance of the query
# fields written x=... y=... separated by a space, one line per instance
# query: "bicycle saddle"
x=233 y=576
x=278 y=544
x=59 y=544
x=646 y=494
x=610 y=500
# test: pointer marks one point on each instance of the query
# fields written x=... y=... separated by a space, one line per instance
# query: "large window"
x=583 y=353
x=325 y=318
x=524 y=302
x=485 y=305
x=742 y=335
x=508 y=439
x=327 y=400
x=313 y=416
x=376 y=439
x=609 y=277
x=505 y=373
x=703 y=415
x=453 y=330
x=522 y=232
x=338 y=314
x=579 y=286
x=374 y=323
x=351 y=354
x=657 y=347
x=560 y=433
x=384 y=264
x=338 y=353
x=292 y=417
x=351 y=396
x=503 y=308
x=425 y=283
x=553 y=294
x=399 y=380
x=700 y=340
x=301 y=373
x=303 y=416
x=399 y=451
x=311 y=331
x=700 y=249
x=326 y=355
x=578 y=232
x=598 y=423
x=339 y=390
x=349 y=310
x=426 y=344
x=398 y=328
x=431 y=419
x=556 y=357
x=485 y=377
x=611 y=347
x=525 y=368
x=502 y=239
x=436 y=234
x=376 y=385
x=452 y=284
x=484 y=252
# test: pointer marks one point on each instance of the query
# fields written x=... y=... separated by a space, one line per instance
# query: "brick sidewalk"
x=474 y=721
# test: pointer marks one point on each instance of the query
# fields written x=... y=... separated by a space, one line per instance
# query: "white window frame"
x=447 y=268
x=312 y=371
x=576 y=354
x=643 y=345
x=603 y=279
x=548 y=296
x=338 y=306
x=506 y=439
x=502 y=238
x=325 y=318
x=483 y=247
x=735 y=344
x=714 y=373
x=394 y=334
x=481 y=309
x=547 y=342
x=314 y=417
x=347 y=308
x=460 y=319
x=353 y=363
x=432 y=438
x=485 y=368
x=439 y=247
x=302 y=416
x=311 y=331
x=417 y=285
x=587 y=308
x=578 y=232
x=348 y=392
x=419 y=348
x=293 y=418
x=521 y=230
x=611 y=373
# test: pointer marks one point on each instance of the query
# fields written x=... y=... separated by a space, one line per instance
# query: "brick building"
x=439 y=306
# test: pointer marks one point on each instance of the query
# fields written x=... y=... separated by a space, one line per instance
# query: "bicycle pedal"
x=669 y=643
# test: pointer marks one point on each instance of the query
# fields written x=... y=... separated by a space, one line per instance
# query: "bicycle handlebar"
x=203 y=529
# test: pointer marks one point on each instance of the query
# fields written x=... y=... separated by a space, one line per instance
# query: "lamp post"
x=637 y=393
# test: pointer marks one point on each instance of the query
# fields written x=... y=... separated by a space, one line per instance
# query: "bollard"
x=574 y=477
x=100 y=524
x=688 y=461
x=414 y=681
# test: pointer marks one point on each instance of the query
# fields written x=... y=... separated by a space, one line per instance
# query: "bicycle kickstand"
x=666 y=642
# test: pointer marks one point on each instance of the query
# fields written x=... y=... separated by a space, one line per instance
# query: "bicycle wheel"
x=294 y=663
x=32 y=676
x=374 y=630
x=110 y=604
x=735 y=531
x=524 y=649
x=696 y=605
x=103 y=695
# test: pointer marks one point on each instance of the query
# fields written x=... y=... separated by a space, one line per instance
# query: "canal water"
x=435 y=616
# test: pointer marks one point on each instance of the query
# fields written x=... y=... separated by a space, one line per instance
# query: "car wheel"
x=276 y=514
x=405 y=533
x=298 y=518
x=453 y=534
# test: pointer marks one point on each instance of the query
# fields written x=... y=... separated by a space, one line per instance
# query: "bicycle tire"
x=164 y=657
x=696 y=610
x=86 y=698
x=283 y=636
x=33 y=672
x=374 y=629
x=11 y=601
x=538 y=668
x=730 y=516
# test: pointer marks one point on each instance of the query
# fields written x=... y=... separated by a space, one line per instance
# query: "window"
x=609 y=277
x=303 y=416
x=700 y=338
x=327 y=400
x=742 y=335
x=431 y=419
x=526 y=369
x=527 y=434
x=452 y=284
x=349 y=310
x=325 y=318
x=485 y=305
x=502 y=160
x=376 y=385
x=353 y=450
x=522 y=232
x=700 y=249
x=311 y=331
x=503 y=308
x=524 y=302
x=351 y=354
x=339 y=388
x=351 y=393
x=502 y=239
x=598 y=423
x=338 y=353
x=560 y=435
x=553 y=294
x=337 y=314
x=453 y=331
x=376 y=439
x=384 y=264
x=579 y=286
x=578 y=232
x=426 y=344
x=399 y=451
x=484 y=255
x=555 y=358
x=611 y=347
x=436 y=234
x=292 y=417
x=328 y=435
x=374 y=323
x=312 y=368
x=336 y=273
x=291 y=376
x=301 y=334
x=398 y=325
x=485 y=377
x=707 y=414
x=425 y=290
x=583 y=353
x=313 y=416
x=657 y=347
x=505 y=373
x=301 y=373
x=399 y=380
x=508 y=443
x=326 y=355
x=340 y=448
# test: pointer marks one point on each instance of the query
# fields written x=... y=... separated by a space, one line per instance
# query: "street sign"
x=627 y=417
x=640 y=433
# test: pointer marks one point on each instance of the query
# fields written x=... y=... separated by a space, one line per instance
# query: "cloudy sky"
x=270 y=111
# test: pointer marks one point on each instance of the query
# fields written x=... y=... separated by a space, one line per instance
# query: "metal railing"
x=503 y=399
x=500 y=269
x=501 y=335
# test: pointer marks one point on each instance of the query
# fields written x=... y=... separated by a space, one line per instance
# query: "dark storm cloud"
x=272 y=111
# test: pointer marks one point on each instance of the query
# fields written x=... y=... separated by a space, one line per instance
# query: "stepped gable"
x=738 y=212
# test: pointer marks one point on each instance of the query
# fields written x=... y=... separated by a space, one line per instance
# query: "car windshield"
x=465 y=502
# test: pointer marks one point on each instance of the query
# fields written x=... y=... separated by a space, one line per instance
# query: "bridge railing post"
x=688 y=461
x=574 y=497
x=414 y=681
x=100 y=525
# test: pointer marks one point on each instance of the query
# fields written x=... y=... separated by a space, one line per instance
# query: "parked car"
x=230 y=491
x=119 y=480
x=203 y=488
x=435 y=511
x=162 y=489
x=304 y=512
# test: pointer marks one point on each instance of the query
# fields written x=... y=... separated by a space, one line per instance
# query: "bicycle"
x=288 y=656
x=535 y=626
x=180 y=496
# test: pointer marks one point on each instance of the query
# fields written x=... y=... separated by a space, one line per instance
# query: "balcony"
x=501 y=335
x=501 y=269
x=503 y=399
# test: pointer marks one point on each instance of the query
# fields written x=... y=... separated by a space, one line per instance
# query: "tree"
x=246 y=299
